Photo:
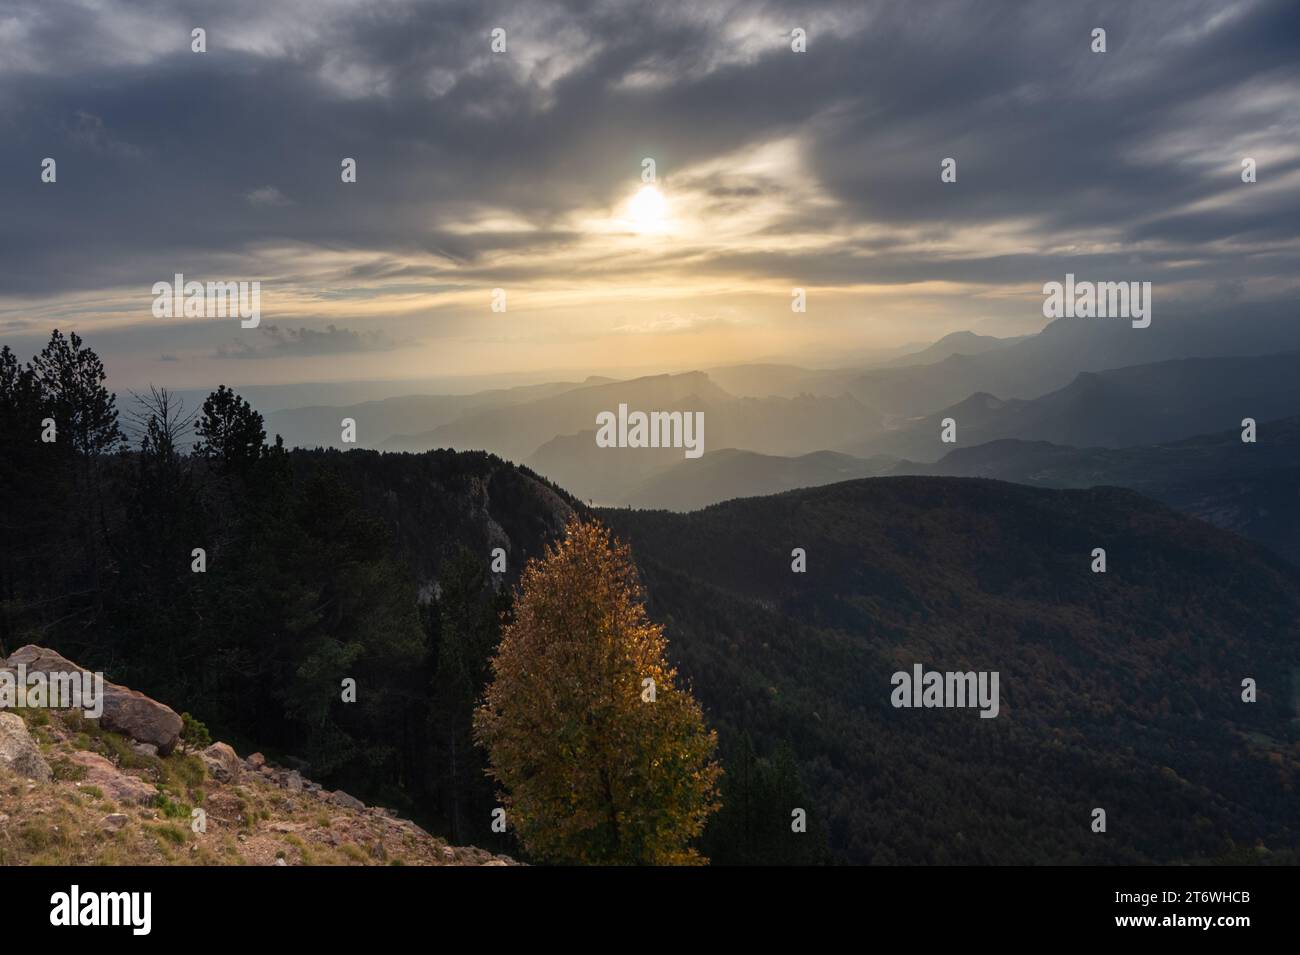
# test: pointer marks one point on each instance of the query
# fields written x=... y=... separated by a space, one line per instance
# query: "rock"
x=256 y=760
x=293 y=782
x=448 y=852
x=113 y=821
x=280 y=862
x=125 y=711
x=115 y=783
x=145 y=749
x=223 y=763
x=19 y=752
x=495 y=862
x=407 y=826
x=342 y=799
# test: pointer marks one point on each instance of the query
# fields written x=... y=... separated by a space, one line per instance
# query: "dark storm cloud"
x=174 y=161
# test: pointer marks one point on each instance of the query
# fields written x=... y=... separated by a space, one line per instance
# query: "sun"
x=648 y=210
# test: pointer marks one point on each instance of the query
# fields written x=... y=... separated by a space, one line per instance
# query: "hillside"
x=1066 y=347
x=722 y=475
x=516 y=431
x=765 y=426
x=1118 y=690
x=1248 y=488
x=74 y=792
x=956 y=343
x=378 y=421
x=1140 y=404
x=1219 y=455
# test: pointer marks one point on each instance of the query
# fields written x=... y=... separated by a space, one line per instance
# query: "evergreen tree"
x=71 y=381
x=230 y=432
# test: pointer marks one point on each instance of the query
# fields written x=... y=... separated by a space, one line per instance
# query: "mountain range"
x=1140 y=404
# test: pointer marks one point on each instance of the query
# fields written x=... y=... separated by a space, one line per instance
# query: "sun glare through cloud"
x=648 y=210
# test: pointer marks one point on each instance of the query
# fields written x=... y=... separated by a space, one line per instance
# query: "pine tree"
x=71 y=379
x=593 y=770
x=230 y=431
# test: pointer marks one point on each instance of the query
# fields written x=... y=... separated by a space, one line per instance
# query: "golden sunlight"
x=648 y=210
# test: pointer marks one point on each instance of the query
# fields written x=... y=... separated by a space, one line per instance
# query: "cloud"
x=478 y=170
x=267 y=196
x=674 y=324
x=277 y=342
x=88 y=131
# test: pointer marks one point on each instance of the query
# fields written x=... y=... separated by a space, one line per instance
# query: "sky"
x=523 y=170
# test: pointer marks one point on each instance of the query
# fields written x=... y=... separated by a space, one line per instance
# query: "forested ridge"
x=1120 y=690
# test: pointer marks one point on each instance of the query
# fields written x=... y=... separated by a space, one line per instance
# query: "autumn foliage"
x=593 y=770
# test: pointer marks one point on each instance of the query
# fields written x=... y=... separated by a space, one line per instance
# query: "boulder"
x=256 y=760
x=222 y=762
x=342 y=799
x=113 y=821
x=114 y=783
x=19 y=752
x=126 y=711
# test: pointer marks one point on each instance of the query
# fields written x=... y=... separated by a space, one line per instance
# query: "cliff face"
x=125 y=788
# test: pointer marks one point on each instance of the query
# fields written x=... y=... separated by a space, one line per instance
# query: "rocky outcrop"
x=18 y=751
x=222 y=762
x=126 y=711
x=110 y=780
x=341 y=798
x=132 y=799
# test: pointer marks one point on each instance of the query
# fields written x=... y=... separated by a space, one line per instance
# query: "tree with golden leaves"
x=598 y=765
